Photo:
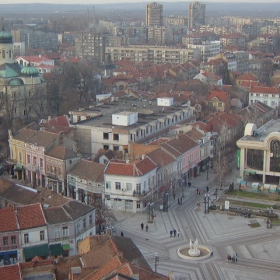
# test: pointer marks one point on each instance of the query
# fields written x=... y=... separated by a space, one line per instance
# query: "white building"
x=207 y=50
x=268 y=95
x=129 y=186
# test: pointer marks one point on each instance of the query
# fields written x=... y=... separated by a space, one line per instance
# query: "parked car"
x=4 y=169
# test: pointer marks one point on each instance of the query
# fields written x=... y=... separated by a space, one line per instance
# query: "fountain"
x=194 y=251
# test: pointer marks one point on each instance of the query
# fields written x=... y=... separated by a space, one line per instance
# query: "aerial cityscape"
x=139 y=140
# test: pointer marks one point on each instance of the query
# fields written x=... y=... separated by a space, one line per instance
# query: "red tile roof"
x=267 y=90
x=10 y=272
x=8 y=220
x=221 y=95
x=137 y=168
x=30 y=216
x=249 y=77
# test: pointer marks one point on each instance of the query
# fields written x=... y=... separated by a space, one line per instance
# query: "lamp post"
x=150 y=212
x=156 y=261
x=269 y=217
x=206 y=203
x=207 y=169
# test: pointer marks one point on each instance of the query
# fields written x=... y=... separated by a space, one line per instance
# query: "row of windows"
x=12 y=239
x=27 y=239
x=263 y=95
x=8 y=52
x=128 y=186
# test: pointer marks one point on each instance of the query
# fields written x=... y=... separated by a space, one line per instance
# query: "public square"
x=258 y=248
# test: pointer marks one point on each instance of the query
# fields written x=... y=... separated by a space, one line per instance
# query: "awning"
x=65 y=247
x=55 y=249
x=249 y=172
x=39 y=250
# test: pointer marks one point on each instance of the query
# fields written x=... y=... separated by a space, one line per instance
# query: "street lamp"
x=156 y=261
x=206 y=203
x=207 y=169
x=150 y=213
x=269 y=217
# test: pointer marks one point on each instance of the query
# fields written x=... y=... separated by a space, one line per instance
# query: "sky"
x=93 y=2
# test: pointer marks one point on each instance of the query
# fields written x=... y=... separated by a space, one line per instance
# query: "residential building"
x=68 y=224
x=91 y=45
x=129 y=186
x=259 y=152
x=233 y=40
x=196 y=14
x=156 y=35
x=268 y=95
x=220 y=100
x=112 y=129
x=176 y=21
x=85 y=182
x=207 y=50
x=209 y=78
x=153 y=54
x=59 y=161
x=154 y=14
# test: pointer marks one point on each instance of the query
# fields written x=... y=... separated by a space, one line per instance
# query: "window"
x=57 y=233
x=41 y=162
x=90 y=219
x=5 y=240
x=42 y=235
x=108 y=185
x=13 y=240
x=34 y=161
x=28 y=159
x=138 y=204
x=105 y=135
x=118 y=185
x=220 y=104
x=116 y=137
x=129 y=186
x=106 y=147
x=26 y=238
x=138 y=188
x=116 y=148
x=65 y=231
x=84 y=223
x=20 y=157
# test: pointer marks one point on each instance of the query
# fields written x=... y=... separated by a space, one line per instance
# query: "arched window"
x=3 y=54
x=275 y=155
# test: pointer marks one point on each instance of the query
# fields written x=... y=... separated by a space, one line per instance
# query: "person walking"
x=181 y=200
x=147 y=228
x=175 y=232
x=121 y=233
x=197 y=191
x=178 y=233
x=142 y=226
x=174 y=195
x=171 y=232
x=178 y=200
x=207 y=189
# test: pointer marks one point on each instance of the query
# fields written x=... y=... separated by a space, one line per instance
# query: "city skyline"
x=126 y=1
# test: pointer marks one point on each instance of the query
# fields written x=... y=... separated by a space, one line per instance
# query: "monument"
x=194 y=251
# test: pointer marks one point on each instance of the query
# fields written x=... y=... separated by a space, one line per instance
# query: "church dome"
x=29 y=71
x=6 y=37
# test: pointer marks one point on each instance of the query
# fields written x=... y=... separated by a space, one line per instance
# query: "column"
x=264 y=164
x=242 y=161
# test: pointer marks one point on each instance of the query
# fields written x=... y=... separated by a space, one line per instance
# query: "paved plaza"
x=258 y=248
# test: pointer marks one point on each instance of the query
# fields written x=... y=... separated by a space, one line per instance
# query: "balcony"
x=52 y=176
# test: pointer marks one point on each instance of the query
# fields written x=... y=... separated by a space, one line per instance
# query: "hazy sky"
x=92 y=2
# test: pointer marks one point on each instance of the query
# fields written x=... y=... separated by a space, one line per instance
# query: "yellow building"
x=17 y=150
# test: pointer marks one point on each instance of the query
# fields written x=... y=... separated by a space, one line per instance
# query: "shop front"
x=8 y=257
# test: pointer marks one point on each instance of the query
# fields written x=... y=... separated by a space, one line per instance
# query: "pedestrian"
x=174 y=195
x=171 y=232
x=175 y=232
x=197 y=191
x=142 y=226
x=228 y=258
x=236 y=256
x=147 y=227
x=207 y=189
x=181 y=200
x=178 y=200
x=178 y=232
x=121 y=233
x=212 y=252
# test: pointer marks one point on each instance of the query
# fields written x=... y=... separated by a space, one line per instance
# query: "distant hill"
x=168 y=6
